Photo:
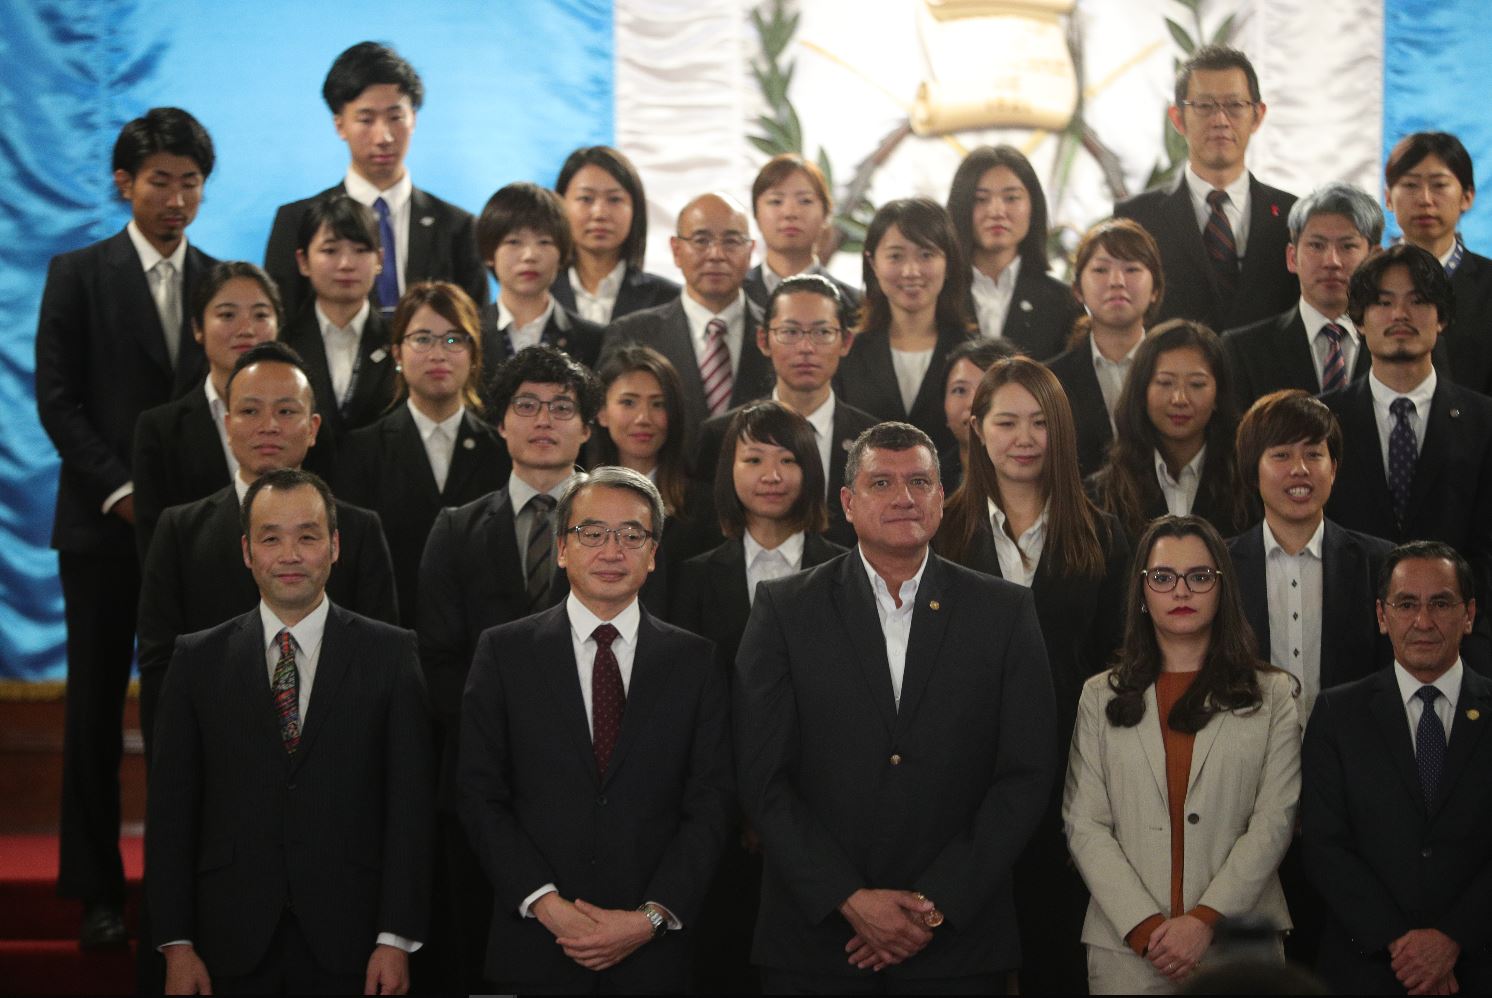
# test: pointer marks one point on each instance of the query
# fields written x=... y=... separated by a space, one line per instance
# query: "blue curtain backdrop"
x=511 y=87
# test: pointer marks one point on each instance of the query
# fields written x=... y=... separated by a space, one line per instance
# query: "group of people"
x=779 y=693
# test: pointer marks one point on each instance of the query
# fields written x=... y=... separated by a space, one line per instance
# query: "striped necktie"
x=714 y=368
x=1334 y=371
x=540 y=549
x=1217 y=238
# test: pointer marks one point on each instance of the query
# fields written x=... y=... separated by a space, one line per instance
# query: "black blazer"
x=639 y=290
x=666 y=329
x=1383 y=861
x=344 y=830
x=100 y=362
x=1351 y=646
x=848 y=791
x=711 y=599
x=384 y=468
x=1468 y=338
x=370 y=396
x=1074 y=369
x=565 y=331
x=1273 y=354
x=867 y=380
x=651 y=828
x=1265 y=286
x=1042 y=311
x=178 y=458
x=755 y=287
x=689 y=531
x=442 y=247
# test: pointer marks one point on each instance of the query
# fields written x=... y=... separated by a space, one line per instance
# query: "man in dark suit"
x=806 y=333
x=708 y=330
x=595 y=775
x=1222 y=234
x=1395 y=804
x=489 y=562
x=290 y=808
x=374 y=95
x=1313 y=345
x=113 y=340
x=192 y=577
x=893 y=720
x=1417 y=463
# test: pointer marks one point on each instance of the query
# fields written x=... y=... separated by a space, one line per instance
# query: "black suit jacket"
x=178 y=458
x=1384 y=861
x=639 y=290
x=384 y=468
x=755 y=287
x=343 y=830
x=652 y=827
x=1468 y=339
x=1265 y=286
x=1274 y=354
x=442 y=247
x=100 y=362
x=867 y=381
x=848 y=791
x=1042 y=311
x=1351 y=646
x=1074 y=369
x=565 y=331
x=666 y=329
x=370 y=396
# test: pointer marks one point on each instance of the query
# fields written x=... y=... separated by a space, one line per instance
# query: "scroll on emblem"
x=994 y=64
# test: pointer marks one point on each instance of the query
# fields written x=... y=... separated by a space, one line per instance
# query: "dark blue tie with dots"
x=1429 y=744
x=1402 y=453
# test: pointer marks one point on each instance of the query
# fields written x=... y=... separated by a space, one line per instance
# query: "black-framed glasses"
x=1438 y=606
x=790 y=334
x=1234 y=109
x=425 y=342
x=1198 y=580
x=593 y=535
x=529 y=406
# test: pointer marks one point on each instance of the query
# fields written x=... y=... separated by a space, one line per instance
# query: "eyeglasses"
x=1438 y=607
x=820 y=336
x=593 y=535
x=1234 y=109
x=529 y=405
x=731 y=242
x=1198 y=580
x=425 y=342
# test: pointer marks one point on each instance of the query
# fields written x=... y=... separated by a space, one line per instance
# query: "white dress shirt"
x=341 y=346
x=822 y=421
x=1315 y=322
x=770 y=277
x=992 y=298
x=1181 y=492
x=1111 y=375
x=439 y=440
x=911 y=367
x=218 y=409
x=398 y=200
x=766 y=564
x=527 y=335
x=1235 y=209
x=896 y=621
x=1293 y=585
x=1449 y=685
x=599 y=306
x=1012 y=567
x=1383 y=400
x=699 y=317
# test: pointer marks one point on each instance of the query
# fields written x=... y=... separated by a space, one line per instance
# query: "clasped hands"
x=1177 y=944
x=889 y=926
x=596 y=938
x=1424 y=960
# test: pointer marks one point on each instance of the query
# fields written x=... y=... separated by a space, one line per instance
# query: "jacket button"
x=1426 y=852
x=601 y=801
x=1193 y=818
x=290 y=786
x=896 y=759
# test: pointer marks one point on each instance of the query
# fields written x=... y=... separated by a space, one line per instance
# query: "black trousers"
x=100 y=599
x=289 y=968
x=786 y=982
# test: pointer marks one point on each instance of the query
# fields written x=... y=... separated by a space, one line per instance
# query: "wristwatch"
x=655 y=918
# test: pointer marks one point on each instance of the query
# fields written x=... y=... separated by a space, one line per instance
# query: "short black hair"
x=285 y=479
x=228 y=270
x=981 y=352
x=635 y=246
x=1411 y=150
x=273 y=351
x=544 y=365
x=523 y=206
x=368 y=64
x=1211 y=58
x=345 y=216
x=1427 y=551
x=1280 y=419
x=814 y=284
x=1425 y=273
x=766 y=421
x=163 y=129
x=892 y=436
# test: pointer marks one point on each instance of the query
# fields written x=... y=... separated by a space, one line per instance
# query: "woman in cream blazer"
x=1184 y=773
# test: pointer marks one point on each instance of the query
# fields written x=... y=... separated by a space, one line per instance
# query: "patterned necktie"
x=1334 y=371
x=540 y=549
x=386 y=287
x=608 y=697
x=1217 y=238
x=1429 y=744
x=168 y=305
x=714 y=368
x=1402 y=453
x=285 y=687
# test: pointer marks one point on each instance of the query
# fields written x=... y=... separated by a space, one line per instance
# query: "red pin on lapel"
x=1274 y=210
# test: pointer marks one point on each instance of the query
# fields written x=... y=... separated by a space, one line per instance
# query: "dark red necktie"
x=608 y=697
x=1217 y=239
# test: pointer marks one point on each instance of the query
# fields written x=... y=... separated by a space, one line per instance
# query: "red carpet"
x=39 y=931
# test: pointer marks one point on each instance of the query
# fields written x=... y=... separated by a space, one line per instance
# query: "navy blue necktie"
x=1429 y=744
x=386 y=288
x=1402 y=453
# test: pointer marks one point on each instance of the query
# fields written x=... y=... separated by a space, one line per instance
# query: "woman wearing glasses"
x=433 y=451
x=1184 y=773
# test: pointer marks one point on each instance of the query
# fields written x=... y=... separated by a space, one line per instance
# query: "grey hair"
x=1337 y=198
x=892 y=436
x=612 y=477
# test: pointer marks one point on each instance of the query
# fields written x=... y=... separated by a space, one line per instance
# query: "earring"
x=1144 y=608
x=398 y=367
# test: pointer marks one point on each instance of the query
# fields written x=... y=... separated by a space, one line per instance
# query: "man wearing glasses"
x=1222 y=234
x=706 y=332
x=595 y=775
x=491 y=561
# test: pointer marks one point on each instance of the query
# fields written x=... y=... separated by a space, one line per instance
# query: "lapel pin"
x=427 y=220
x=1025 y=305
x=1455 y=413
x=377 y=355
x=933 y=604
x=1473 y=714
x=469 y=444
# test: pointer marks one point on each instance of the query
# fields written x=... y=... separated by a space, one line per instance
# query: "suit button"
x=1193 y=818
x=601 y=801
x=290 y=786
x=896 y=759
x=1426 y=852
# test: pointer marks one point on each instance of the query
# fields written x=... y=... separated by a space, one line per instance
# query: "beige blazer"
x=1240 y=811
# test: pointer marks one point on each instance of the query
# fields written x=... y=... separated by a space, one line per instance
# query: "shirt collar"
x=396 y=197
x=520 y=492
x=1237 y=191
x=1193 y=468
x=1313 y=320
x=427 y=426
x=997 y=515
x=356 y=325
x=505 y=318
x=1100 y=359
x=240 y=486
x=771 y=278
x=150 y=256
x=699 y=316
x=307 y=633
x=1420 y=395
x=1313 y=546
x=1449 y=684
x=214 y=401
x=609 y=286
x=791 y=549
x=821 y=419
x=878 y=586
x=583 y=622
x=1005 y=283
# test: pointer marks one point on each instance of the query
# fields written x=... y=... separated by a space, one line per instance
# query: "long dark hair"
x=1229 y=678
x=925 y=223
x=625 y=174
x=1032 y=249
x=672 y=476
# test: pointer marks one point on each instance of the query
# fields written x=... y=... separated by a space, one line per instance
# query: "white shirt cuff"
x=525 y=909
x=175 y=942
x=398 y=942
x=127 y=489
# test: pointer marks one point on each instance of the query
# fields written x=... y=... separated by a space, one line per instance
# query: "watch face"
x=933 y=919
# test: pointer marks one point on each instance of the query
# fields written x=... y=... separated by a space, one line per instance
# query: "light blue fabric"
x=511 y=88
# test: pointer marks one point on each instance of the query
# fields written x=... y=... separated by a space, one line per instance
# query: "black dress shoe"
x=103 y=927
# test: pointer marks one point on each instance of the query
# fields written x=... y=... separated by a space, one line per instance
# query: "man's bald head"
x=713 y=249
